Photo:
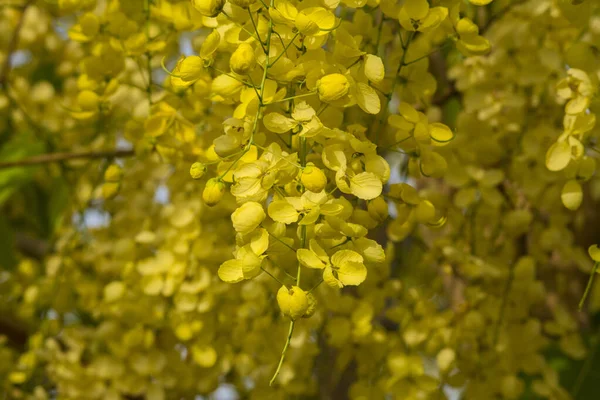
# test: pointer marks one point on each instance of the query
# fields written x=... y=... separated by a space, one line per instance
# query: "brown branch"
x=31 y=246
x=439 y=69
x=13 y=44
x=17 y=332
x=444 y=97
x=56 y=157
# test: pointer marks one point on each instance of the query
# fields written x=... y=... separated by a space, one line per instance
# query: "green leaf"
x=11 y=179
x=59 y=199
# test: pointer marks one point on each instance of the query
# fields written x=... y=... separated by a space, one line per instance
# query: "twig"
x=57 y=157
x=148 y=54
x=283 y=352
x=589 y=285
x=505 y=295
x=13 y=44
x=272 y=276
x=384 y=111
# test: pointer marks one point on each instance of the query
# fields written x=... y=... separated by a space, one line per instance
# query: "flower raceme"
x=308 y=180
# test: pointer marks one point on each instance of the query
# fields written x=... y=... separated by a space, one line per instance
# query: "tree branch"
x=15 y=331
x=31 y=246
x=56 y=157
x=13 y=44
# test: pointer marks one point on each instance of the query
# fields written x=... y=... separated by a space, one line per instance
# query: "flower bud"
x=292 y=302
x=208 y=8
x=213 y=191
x=113 y=173
x=332 y=87
x=243 y=59
x=110 y=189
x=197 y=170
x=88 y=100
x=313 y=179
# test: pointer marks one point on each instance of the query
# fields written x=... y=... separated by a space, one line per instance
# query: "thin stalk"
x=58 y=157
x=285 y=347
x=234 y=163
x=284 y=49
x=293 y=278
x=505 y=295
x=379 y=30
x=266 y=150
x=262 y=44
x=294 y=97
x=281 y=241
x=272 y=276
x=148 y=55
x=316 y=286
x=299 y=273
x=376 y=126
x=447 y=44
x=589 y=286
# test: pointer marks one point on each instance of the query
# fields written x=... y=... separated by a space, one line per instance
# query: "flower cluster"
x=361 y=199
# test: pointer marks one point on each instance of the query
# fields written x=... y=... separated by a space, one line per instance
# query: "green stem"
x=285 y=347
x=294 y=97
x=272 y=276
x=293 y=278
x=284 y=49
x=303 y=227
x=303 y=152
x=379 y=30
x=316 y=286
x=148 y=55
x=376 y=126
x=234 y=163
x=447 y=44
x=505 y=295
x=281 y=241
x=589 y=286
x=256 y=30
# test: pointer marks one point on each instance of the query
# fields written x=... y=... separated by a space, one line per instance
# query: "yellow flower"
x=113 y=173
x=313 y=179
x=110 y=189
x=346 y=267
x=213 y=191
x=293 y=302
x=208 y=8
x=332 y=87
x=197 y=170
x=248 y=217
x=416 y=15
x=243 y=59
x=88 y=100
